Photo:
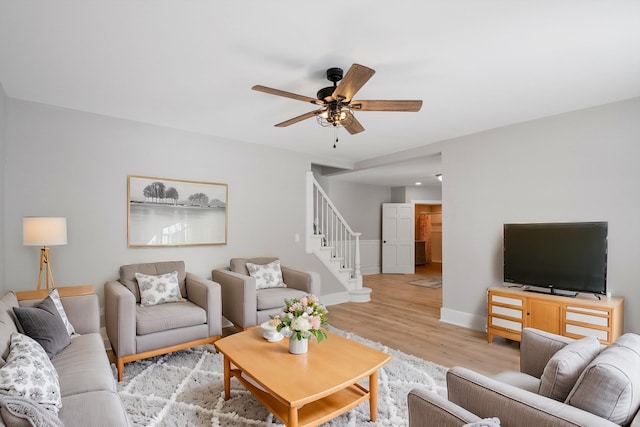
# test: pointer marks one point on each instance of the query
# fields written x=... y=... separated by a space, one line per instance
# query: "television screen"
x=567 y=256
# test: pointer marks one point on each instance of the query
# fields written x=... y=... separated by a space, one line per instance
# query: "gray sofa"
x=87 y=386
x=602 y=388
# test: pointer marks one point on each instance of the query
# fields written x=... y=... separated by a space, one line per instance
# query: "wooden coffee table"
x=306 y=389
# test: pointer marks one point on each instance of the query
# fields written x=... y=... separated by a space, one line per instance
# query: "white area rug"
x=430 y=282
x=186 y=388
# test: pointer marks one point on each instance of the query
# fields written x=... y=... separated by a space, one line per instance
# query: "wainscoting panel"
x=370 y=256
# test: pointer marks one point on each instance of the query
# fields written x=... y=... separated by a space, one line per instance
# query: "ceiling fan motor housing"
x=334 y=74
x=325 y=93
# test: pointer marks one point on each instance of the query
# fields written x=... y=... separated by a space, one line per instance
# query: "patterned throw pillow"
x=158 y=289
x=56 y=300
x=29 y=373
x=267 y=276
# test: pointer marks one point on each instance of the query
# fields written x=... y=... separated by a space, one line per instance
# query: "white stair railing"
x=323 y=219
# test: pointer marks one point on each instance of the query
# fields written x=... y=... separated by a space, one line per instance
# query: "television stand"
x=550 y=291
x=509 y=310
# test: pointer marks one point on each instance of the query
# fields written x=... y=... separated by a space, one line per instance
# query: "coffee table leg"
x=227 y=378
x=293 y=417
x=373 y=396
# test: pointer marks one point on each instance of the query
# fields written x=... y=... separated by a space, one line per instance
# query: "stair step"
x=360 y=295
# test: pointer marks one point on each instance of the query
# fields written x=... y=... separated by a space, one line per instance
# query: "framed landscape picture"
x=171 y=212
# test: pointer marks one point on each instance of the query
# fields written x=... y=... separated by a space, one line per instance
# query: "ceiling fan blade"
x=410 y=106
x=353 y=125
x=299 y=118
x=355 y=78
x=286 y=94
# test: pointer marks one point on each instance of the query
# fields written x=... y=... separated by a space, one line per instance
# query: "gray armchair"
x=245 y=306
x=138 y=332
x=513 y=397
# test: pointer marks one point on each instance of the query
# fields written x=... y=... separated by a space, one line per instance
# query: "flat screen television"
x=557 y=256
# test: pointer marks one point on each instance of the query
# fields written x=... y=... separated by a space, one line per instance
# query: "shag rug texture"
x=186 y=388
x=430 y=282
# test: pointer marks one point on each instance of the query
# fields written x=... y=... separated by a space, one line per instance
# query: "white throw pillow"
x=267 y=276
x=564 y=367
x=29 y=373
x=158 y=289
x=56 y=301
x=486 y=422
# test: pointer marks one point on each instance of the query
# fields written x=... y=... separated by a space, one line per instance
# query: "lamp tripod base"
x=44 y=264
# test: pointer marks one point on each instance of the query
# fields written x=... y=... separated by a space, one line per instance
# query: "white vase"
x=297 y=346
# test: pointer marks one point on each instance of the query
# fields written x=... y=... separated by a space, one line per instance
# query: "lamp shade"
x=44 y=231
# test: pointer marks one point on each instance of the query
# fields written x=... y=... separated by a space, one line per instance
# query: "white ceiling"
x=477 y=64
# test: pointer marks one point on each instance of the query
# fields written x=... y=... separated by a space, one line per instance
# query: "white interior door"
x=398 y=238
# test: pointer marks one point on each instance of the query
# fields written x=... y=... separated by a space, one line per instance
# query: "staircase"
x=331 y=239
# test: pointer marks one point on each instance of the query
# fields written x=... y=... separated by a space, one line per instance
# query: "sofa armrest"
x=536 y=348
x=427 y=408
x=239 y=297
x=120 y=318
x=487 y=398
x=307 y=281
x=206 y=294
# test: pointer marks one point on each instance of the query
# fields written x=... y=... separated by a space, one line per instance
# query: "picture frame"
x=175 y=212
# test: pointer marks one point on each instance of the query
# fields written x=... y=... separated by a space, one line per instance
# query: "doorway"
x=428 y=240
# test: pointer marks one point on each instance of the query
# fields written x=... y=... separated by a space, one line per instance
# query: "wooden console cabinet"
x=511 y=309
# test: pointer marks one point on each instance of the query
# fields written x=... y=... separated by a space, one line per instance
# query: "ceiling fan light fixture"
x=335 y=116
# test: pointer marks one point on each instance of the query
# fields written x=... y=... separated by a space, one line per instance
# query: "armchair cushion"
x=266 y=275
x=564 y=367
x=274 y=297
x=163 y=317
x=610 y=384
x=128 y=274
x=158 y=289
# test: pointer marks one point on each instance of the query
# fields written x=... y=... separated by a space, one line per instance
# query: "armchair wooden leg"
x=120 y=367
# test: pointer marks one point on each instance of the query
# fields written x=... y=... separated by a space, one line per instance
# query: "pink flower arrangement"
x=304 y=317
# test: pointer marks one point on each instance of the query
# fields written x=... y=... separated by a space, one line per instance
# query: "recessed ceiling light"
x=439 y=176
x=418 y=183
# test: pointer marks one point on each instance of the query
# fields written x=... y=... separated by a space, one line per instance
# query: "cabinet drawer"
x=587 y=318
x=507 y=324
x=506 y=300
x=587 y=332
x=504 y=311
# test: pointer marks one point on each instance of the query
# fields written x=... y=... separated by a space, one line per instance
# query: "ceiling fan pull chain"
x=335 y=132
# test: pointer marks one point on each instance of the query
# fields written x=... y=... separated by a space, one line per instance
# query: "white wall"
x=580 y=166
x=67 y=163
x=2 y=204
x=423 y=193
x=360 y=205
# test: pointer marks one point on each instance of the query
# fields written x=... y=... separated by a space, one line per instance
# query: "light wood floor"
x=406 y=317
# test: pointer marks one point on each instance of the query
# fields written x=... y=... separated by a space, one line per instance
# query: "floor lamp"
x=45 y=232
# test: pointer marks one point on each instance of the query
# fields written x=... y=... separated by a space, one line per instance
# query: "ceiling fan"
x=337 y=101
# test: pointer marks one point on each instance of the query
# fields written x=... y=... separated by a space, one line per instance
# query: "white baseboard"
x=466 y=320
x=371 y=270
